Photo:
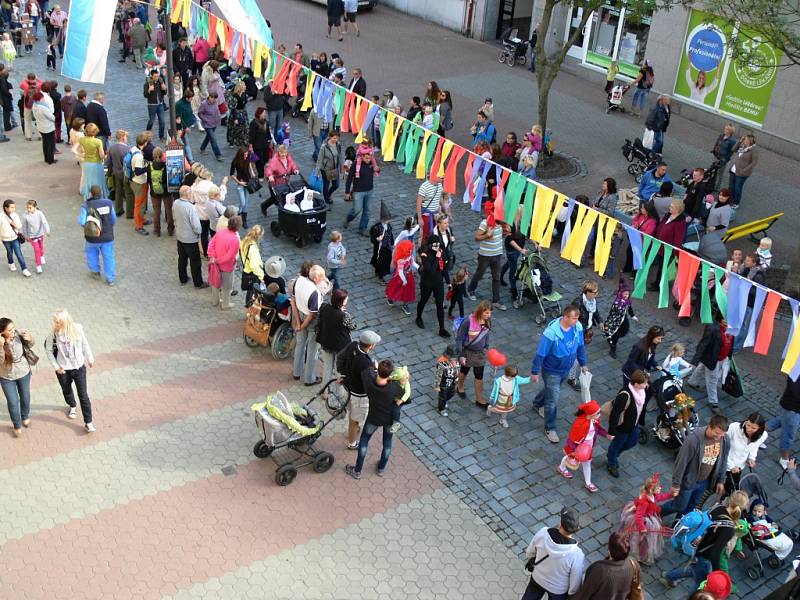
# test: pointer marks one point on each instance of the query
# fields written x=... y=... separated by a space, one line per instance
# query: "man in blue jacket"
x=652 y=180
x=483 y=130
x=100 y=235
x=560 y=345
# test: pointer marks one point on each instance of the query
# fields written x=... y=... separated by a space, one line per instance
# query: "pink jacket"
x=224 y=248
x=279 y=169
x=201 y=50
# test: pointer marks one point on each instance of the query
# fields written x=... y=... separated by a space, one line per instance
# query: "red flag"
x=765 y=330
x=437 y=159
x=688 y=264
x=348 y=103
x=228 y=41
x=212 y=30
x=291 y=83
x=468 y=174
x=279 y=81
x=500 y=201
x=456 y=155
x=240 y=50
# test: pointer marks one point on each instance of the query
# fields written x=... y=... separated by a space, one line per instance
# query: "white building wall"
x=447 y=13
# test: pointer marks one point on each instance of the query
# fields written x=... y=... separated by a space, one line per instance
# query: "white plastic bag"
x=648 y=138
x=585 y=379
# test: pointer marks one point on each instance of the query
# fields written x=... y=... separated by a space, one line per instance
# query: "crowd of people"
x=120 y=175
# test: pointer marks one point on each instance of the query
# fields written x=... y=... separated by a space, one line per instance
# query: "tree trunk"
x=791 y=286
x=545 y=78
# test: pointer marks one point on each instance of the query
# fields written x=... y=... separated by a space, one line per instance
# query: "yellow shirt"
x=91 y=148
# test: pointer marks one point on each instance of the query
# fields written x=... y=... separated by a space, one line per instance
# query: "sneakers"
x=784 y=463
x=540 y=410
x=351 y=470
x=72 y=412
x=38 y=270
x=142 y=231
x=395 y=427
x=573 y=383
x=443 y=412
x=89 y=428
x=551 y=435
x=12 y=267
x=26 y=272
x=613 y=471
x=472 y=297
x=499 y=306
x=406 y=310
x=379 y=472
x=516 y=304
x=353 y=446
x=503 y=423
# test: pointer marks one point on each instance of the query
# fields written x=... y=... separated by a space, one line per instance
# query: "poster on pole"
x=708 y=76
x=175 y=169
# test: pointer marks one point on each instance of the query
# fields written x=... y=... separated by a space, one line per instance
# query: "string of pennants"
x=425 y=154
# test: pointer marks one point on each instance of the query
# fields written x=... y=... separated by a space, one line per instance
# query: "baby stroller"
x=537 y=285
x=299 y=226
x=615 y=98
x=676 y=415
x=752 y=486
x=295 y=427
x=642 y=159
x=515 y=50
x=266 y=325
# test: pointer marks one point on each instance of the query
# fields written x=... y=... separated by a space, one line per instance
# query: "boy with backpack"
x=97 y=217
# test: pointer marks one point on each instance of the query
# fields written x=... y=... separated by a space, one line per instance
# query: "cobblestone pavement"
x=144 y=505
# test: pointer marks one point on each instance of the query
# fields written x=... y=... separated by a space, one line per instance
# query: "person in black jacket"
x=589 y=317
x=382 y=238
x=382 y=394
x=350 y=363
x=788 y=420
x=96 y=113
x=360 y=181
x=627 y=416
x=658 y=121
x=643 y=355
x=154 y=91
x=431 y=281
x=358 y=85
x=260 y=139
x=713 y=348
x=6 y=98
x=334 y=325
x=274 y=103
x=183 y=60
x=713 y=543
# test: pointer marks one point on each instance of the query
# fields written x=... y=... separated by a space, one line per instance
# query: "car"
x=362 y=4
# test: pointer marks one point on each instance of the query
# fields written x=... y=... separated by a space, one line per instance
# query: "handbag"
x=588 y=334
x=649 y=138
x=315 y=181
x=214 y=276
x=28 y=353
x=248 y=279
x=733 y=383
x=223 y=108
x=637 y=591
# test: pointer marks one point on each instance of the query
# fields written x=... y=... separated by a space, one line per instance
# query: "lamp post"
x=173 y=129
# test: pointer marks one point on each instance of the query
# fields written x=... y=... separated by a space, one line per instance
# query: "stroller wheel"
x=285 y=474
x=275 y=228
x=510 y=60
x=300 y=242
x=774 y=562
x=633 y=169
x=322 y=462
x=318 y=238
x=539 y=319
x=282 y=342
x=501 y=58
x=261 y=450
x=754 y=573
x=644 y=437
x=250 y=342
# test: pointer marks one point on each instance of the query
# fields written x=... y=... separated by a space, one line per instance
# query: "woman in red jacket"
x=670 y=230
x=583 y=433
x=278 y=170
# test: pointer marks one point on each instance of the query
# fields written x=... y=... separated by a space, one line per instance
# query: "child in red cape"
x=582 y=438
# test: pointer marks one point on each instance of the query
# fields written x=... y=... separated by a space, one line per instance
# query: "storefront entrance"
x=515 y=14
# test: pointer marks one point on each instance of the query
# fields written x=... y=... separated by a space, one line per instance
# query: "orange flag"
x=212 y=30
x=437 y=159
x=228 y=41
x=688 y=264
x=452 y=166
x=767 y=323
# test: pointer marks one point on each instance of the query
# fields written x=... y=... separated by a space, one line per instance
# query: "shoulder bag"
x=248 y=279
x=608 y=406
x=253 y=184
x=28 y=353
x=637 y=591
x=733 y=383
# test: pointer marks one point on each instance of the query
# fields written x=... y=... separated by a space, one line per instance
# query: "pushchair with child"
x=536 y=284
x=676 y=415
x=303 y=225
x=642 y=159
x=615 y=98
x=295 y=427
x=268 y=325
x=515 y=50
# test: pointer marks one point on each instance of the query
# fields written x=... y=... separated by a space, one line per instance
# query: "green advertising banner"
x=707 y=76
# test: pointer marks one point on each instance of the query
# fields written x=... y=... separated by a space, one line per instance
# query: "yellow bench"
x=751 y=229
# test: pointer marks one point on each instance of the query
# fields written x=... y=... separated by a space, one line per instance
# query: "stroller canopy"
x=751 y=485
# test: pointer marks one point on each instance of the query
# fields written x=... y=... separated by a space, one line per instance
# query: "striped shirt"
x=431 y=196
x=492 y=246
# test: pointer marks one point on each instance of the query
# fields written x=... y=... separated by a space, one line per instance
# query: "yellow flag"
x=309 y=88
x=186 y=17
x=567 y=251
x=423 y=155
x=447 y=147
x=542 y=206
x=792 y=354
x=220 y=29
x=547 y=238
x=602 y=247
x=389 y=136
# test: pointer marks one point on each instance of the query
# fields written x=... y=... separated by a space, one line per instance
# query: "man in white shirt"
x=306 y=300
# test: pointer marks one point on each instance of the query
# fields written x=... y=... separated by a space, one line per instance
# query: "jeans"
x=188 y=149
x=788 y=422
x=512 y=258
x=153 y=111
x=333 y=273
x=275 y=117
x=711 y=380
x=189 y=253
x=738 y=341
x=363 y=443
x=18 y=398
x=686 y=500
x=640 y=99
x=736 y=183
x=13 y=248
x=328 y=187
x=242 y=191
x=317 y=139
x=93 y=251
x=78 y=377
x=534 y=592
x=210 y=139
x=700 y=569
x=658 y=142
x=305 y=353
x=328 y=365
x=360 y=205
x=490 y=262
x=548 y=397
x=621 y=443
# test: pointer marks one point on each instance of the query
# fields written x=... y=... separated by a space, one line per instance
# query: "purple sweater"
x=209 y=115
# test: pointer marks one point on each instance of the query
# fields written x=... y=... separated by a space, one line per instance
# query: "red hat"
x=590 y=408
x=719 y=584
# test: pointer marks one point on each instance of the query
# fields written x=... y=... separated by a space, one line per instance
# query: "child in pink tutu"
x=641 y=521
x=402 y=287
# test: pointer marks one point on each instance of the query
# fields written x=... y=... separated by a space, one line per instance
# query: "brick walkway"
x=143 y=504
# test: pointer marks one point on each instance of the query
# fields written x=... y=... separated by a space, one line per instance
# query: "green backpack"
x=156 y=181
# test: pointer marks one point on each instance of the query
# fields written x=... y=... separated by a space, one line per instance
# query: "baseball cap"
x=719 y=584
x=369 y=337
x=570 y=519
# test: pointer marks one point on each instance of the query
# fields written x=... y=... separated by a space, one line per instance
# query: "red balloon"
x=583 y=452
x=496 y=358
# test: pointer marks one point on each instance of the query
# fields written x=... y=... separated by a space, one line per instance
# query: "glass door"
x=577 y=50
x=632 y=43
x=603 y=38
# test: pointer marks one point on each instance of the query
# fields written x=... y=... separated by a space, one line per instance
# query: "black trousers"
x=7 y=110
x=189 y=253
x=445 y=395
x=78 y=377
x=426 y=288
x=49 y=147
x=206 y=233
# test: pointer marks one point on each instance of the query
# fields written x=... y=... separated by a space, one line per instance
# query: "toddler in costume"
x=400 y=375
x=505 y=393
x=445 y=378
x=674 y=363
x=641 y=521
x=764 y=253
x=768 y=531
x=583 y=434
x=402 y=287
x=617 y=324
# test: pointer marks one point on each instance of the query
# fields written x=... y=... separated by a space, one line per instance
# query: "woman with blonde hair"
x=252 y=264
x=238 y=123
x=69 y=353
x=93 y=158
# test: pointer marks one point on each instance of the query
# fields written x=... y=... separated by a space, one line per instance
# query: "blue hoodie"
x=558 y=349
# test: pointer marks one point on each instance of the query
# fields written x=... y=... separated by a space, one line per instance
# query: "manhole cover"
x=559 y=167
